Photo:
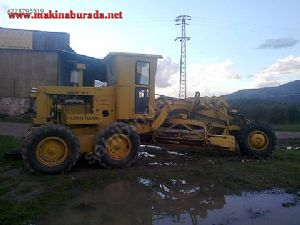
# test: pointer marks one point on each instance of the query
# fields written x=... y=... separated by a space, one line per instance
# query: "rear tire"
x=257 y=140
x=117 y=146
x=51 y=149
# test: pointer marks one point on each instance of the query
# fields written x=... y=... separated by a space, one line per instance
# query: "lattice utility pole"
x=182 y=20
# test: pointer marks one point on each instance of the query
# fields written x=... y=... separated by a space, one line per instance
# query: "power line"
x=182 y=20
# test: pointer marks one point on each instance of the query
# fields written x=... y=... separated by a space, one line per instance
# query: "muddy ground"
x=163 y=186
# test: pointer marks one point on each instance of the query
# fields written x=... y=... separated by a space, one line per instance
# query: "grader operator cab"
x=107 y=124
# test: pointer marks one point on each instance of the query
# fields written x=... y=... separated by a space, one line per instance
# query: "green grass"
x=55 y=189
x=17 y=213
x=56 y=192
x=8 y=143
x=287 y=127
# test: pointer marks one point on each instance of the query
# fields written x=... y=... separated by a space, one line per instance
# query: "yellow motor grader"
x=107 y=124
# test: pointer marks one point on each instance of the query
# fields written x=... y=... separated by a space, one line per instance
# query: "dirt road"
x=287 y=135
x=14 y=129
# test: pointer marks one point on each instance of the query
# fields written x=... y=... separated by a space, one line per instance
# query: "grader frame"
x=107 y=124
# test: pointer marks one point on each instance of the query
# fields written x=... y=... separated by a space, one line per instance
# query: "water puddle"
x=150 y=147
x=165 y=164
x=146 y=148
x=177 y=153
x=146 y=154
x=156 y=156
x=292 y=148
x=175 y=201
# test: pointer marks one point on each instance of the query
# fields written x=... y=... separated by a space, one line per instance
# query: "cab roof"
x=132 y=55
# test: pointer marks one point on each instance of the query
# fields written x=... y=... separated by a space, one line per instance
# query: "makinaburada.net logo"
x=40 y=14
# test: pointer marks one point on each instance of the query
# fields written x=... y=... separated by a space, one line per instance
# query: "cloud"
x=278 y=43
x=210 y=78
x=211 y=71
x=271 y=76
x=166 y=69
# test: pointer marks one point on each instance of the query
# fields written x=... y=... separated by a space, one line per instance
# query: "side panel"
x=102 y=110
x=43 y=104
x=104 y=106
x=223 y=141
x=123 y=102
x=86 y=143
x=86 y=136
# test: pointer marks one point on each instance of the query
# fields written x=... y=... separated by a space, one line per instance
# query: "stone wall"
x=14 y=106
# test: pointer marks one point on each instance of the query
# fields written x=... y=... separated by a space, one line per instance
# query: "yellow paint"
x=86 y=136
x=52 y=151
x=123 y=68
x=101 y=106
x=83 y=119
x=123 y=111
x=118 y=146
x=86 y=143
x=222 y=141
x=258 y=140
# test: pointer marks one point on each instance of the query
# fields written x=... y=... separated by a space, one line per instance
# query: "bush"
x=268 y=111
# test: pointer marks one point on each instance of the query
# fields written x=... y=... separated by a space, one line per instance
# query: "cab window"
x=141 y=100
x=142 y=73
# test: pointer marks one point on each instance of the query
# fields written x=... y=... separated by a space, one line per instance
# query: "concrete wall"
x=20 y=70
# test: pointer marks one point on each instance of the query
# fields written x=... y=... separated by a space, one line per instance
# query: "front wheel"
x=257 y=140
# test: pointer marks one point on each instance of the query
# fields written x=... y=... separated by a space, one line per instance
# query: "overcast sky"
x=234 y=44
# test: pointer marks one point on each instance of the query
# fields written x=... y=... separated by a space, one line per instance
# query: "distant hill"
x=286 y=93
